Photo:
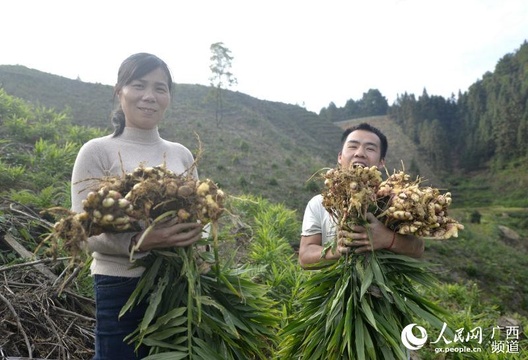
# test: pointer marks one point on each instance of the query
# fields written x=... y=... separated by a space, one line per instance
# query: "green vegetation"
x=264 y=155
x=475 y=142
x=372 y=103
x=481 y=255
x=251 y=136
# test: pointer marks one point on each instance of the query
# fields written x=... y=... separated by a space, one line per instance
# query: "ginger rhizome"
x=400 y=203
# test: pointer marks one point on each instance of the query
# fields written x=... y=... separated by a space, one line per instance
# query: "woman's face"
x=145 y=100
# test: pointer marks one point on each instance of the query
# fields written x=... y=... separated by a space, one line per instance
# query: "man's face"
x=361 y=148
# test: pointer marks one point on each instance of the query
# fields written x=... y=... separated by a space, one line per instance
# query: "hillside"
x=268 y=149
x=89 y=104
x=271 y=149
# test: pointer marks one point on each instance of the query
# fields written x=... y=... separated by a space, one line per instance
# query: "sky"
x=304 y=52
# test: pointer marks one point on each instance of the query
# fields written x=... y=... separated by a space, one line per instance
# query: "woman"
x=144 y=92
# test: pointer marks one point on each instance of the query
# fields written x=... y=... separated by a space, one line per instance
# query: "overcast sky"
x=301 y=52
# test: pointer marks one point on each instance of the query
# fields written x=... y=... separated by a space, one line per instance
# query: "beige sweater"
x=111 y=156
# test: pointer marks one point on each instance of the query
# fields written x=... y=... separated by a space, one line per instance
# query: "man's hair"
x=372 y=129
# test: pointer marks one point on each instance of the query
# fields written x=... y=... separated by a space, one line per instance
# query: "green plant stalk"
x=148 y=230
x=190 y=296
x=359 y=301
x=214 y=230
x=220 y=315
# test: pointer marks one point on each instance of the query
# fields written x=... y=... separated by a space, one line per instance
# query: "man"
x=362 y=145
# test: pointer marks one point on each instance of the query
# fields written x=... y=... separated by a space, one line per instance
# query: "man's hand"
x=361 y=239
x=375 y=236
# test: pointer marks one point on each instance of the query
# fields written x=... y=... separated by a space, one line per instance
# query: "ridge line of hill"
x=265 y=148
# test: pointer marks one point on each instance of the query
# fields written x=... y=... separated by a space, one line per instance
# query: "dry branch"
x=37 y=321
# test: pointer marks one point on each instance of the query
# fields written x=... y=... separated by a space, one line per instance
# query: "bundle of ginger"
x=399 y=202
x=134 y=201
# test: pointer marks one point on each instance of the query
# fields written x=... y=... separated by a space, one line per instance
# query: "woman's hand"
x=170 y=233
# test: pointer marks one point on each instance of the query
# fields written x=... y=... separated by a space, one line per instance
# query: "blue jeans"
x=111 y=294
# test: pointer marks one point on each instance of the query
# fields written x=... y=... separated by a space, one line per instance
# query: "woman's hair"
x=132 y=68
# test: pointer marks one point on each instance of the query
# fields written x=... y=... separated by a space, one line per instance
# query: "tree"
x=352 y=109
x=331 y=113
x=221 y=76
x=373 y=103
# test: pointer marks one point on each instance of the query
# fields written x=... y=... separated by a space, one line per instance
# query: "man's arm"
x=360 y=240
x=377 y=236
x=310 y=251
x=409 y=245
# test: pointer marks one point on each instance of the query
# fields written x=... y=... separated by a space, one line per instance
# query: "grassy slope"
x=481 y=255
x=271 y=149
x=260 y=147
